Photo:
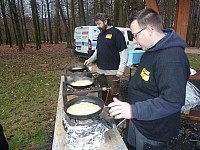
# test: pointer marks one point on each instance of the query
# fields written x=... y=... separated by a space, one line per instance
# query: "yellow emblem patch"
x=145 y=74
x=108 y=36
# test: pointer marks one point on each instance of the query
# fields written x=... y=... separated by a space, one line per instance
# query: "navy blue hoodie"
x=156 y=92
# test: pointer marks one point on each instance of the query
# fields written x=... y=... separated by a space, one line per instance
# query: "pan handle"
x=105 y=122
x=87 y=69
x=96 y=75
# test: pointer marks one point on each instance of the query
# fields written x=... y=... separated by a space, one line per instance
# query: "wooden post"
x=152 y=4
x=182 y=15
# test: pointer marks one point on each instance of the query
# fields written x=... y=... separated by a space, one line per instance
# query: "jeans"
x=140 y=142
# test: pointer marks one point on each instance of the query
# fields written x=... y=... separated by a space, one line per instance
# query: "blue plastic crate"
x=134 y=56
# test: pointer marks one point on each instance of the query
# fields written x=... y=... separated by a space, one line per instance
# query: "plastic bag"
x=192 y=98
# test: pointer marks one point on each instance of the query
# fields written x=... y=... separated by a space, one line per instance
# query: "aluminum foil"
x=84 y=136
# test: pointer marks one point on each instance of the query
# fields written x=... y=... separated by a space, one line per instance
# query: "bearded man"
x=111 y=56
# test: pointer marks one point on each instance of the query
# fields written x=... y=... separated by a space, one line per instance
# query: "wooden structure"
x=113 y=140
x=182 y=15
x=194 y=115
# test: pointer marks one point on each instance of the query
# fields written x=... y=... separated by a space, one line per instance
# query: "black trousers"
x=3 y=142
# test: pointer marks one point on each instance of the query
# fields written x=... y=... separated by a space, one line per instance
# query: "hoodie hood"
x=171 y=39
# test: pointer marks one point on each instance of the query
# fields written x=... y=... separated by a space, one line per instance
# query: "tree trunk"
x=17 y=24
x=96 y=7
x=8 y=36
x=13 y=22
x=101 y=6
x=73 y=14
x=21 y=22
x=116 y=12
x=60 y=32
x=24 y=22
x=67 y=31
x=195 y=23
x=36 y=24
x=43 y=23
x=82 y=13
x=123 y=13
x=197 y=40
x=49 y=23
x=57 y=22
x=1 y=41
x=46 y=27
x=73 y=21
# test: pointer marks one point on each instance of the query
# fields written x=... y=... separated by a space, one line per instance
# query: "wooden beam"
x=152 y=4
x=182 y=16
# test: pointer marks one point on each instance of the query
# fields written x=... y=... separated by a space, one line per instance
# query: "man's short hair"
x=147 y=17
x=102 y=17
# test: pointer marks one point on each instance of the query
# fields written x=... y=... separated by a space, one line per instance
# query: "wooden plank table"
x=113 y=140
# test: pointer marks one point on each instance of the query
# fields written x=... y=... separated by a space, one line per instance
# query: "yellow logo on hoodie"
x=145 y=74
x=108 y=36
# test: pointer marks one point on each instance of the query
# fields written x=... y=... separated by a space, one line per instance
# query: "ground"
x=192 y=50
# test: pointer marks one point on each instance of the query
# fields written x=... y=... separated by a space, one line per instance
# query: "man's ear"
x=105 y=22
x=150 y=29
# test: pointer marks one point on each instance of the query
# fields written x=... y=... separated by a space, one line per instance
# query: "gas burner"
x=108 y=123
x=85 y=91
x=81 y=91
x=75 y=122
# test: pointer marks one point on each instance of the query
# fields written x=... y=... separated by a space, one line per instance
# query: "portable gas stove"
x=84 y=133
x=70 y=92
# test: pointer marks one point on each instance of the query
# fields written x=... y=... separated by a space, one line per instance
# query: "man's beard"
x=103 y=28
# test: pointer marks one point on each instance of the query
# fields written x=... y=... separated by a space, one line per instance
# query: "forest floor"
x=29 y=89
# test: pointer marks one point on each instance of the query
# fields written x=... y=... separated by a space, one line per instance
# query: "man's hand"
x=86 y=62
x=119 y=109
x=119 y=73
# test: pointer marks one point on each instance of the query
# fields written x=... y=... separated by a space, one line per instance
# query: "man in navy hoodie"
x=157 y=90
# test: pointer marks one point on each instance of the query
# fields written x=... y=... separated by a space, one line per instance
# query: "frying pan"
x=77 y=68
x=90 y=99
x=75 y=78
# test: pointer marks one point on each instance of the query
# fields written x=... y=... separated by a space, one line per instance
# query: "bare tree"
x=123 y=11
x=1 y=41
x=116 y=12
x=21 y=22
x=81 y=13
x=43 y=22
x=8 y=36
x=96 y=7
x=13 y=10
x=73 y=20
x=57 y=21
x=193 y=35
x=36 y=24
x=67 y=14
x=66 y=25
x=24 y=22
x=49 y=23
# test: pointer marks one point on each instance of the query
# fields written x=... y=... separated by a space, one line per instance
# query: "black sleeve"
x=120 y=41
